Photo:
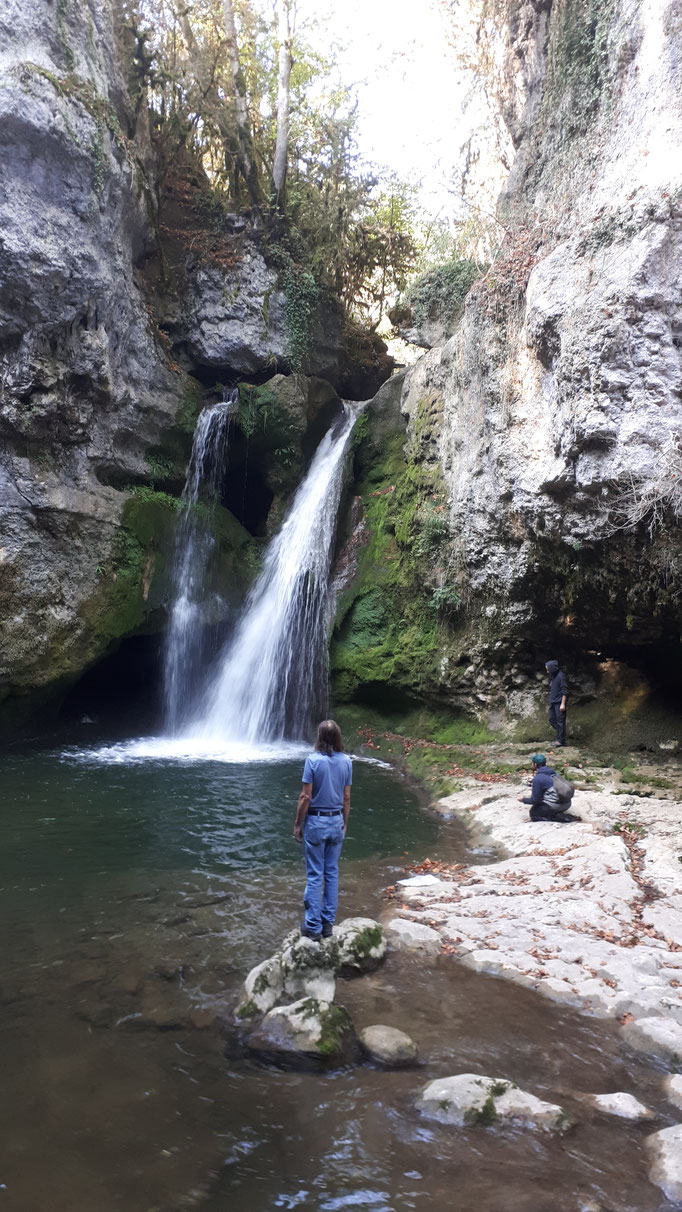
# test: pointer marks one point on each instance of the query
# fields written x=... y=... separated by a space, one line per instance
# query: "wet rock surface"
x=295 y=991
x=588 y=913
x=388 y=1046
x=665 y=1170
x=468 y=1100
x=309 y=1029
x=303 y=967
x=673 y=1089
x=622 y=1105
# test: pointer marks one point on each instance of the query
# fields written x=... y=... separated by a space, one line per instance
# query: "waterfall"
x=272 y=677
x=194 y=545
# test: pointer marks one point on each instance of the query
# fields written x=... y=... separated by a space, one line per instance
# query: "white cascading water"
x=272 y=678
x=195 y=542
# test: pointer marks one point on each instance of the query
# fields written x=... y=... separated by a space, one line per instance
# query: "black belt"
x=325 y=811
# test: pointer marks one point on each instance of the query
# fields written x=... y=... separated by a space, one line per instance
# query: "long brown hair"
x=329 y=739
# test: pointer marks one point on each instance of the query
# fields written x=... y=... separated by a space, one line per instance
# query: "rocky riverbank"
x=587 y=913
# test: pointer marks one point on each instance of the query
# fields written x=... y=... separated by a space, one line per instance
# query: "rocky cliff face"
x=87 y=387
x=535 y=514
x=560 y=391
x=116 y=323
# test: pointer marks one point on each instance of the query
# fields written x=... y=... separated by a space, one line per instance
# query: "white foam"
x=188 y=749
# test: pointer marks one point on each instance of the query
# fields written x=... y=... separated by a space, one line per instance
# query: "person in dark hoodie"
x=545 y=804
x=558 y=693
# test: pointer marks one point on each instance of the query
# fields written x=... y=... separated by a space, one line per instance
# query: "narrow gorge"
x=340 y=373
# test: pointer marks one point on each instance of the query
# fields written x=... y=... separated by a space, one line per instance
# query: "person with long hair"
x=321 y=824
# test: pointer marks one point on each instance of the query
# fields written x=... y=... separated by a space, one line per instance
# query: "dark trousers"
x=544 y=813
x=558 y=721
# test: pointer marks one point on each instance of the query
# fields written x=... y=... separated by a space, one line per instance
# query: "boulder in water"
x=623 y=1105
x=302 y=968
x=361 y=944
x=307 y=1030
x=263 y=988
x=468 y=1099
x=308 y=968
x=388 y=1046
x=665 y=1150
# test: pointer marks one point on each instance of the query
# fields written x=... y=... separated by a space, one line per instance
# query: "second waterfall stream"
x=271 y=679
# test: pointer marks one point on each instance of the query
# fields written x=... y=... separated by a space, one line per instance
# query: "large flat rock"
x=587 y=916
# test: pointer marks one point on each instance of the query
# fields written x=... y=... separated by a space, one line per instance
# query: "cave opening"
x=245 y=492
x=123 y=691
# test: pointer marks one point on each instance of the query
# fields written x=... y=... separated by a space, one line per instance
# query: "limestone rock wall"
x=560 y=391
x=86 y=387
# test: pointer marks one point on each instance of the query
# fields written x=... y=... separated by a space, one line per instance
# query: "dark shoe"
x=306 y=933
x=327 y=930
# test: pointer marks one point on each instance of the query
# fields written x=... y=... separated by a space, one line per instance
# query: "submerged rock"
x=309 y=1029
x=406 y=935
x=388 y=1046
x=467 y=1099
x=665 y=1151
x=623 y=1105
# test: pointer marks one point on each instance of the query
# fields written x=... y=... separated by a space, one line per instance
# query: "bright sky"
x=410 y=92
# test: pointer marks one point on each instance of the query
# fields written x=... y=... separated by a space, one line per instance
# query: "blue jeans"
x=323 y=837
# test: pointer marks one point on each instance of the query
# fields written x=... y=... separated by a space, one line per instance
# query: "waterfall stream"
x=271 y=680
x=195 y=542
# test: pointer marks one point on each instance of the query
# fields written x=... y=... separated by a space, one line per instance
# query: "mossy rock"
x=307 y=1033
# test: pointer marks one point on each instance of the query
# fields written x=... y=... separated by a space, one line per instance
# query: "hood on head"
x=552 y=667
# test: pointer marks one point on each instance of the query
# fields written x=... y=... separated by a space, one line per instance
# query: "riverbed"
x=136 y=893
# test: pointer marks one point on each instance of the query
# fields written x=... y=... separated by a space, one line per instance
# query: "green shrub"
x=440 y=294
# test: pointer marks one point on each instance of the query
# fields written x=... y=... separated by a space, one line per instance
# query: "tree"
x=283 y=99
x=240 y=114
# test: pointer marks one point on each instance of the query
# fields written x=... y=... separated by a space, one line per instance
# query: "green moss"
x=247 y=1010
x=499 y=1088
x=259 y=410
x=301 y=301
x=261 y=984
x=385 y=637
x=367 y=941
x=191 y=405
x=484 y=1116
x=336 y=1026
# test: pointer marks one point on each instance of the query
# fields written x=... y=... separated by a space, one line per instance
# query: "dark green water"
x=135 y=896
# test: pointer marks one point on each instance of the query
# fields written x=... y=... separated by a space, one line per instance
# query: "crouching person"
x=545 y=802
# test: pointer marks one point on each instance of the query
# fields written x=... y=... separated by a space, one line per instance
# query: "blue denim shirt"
x=329 y=776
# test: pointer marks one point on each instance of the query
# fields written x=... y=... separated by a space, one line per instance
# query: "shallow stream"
x=136 y=893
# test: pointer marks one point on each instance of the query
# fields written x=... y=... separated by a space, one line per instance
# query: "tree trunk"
x=240 y=113
x=283 y=99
